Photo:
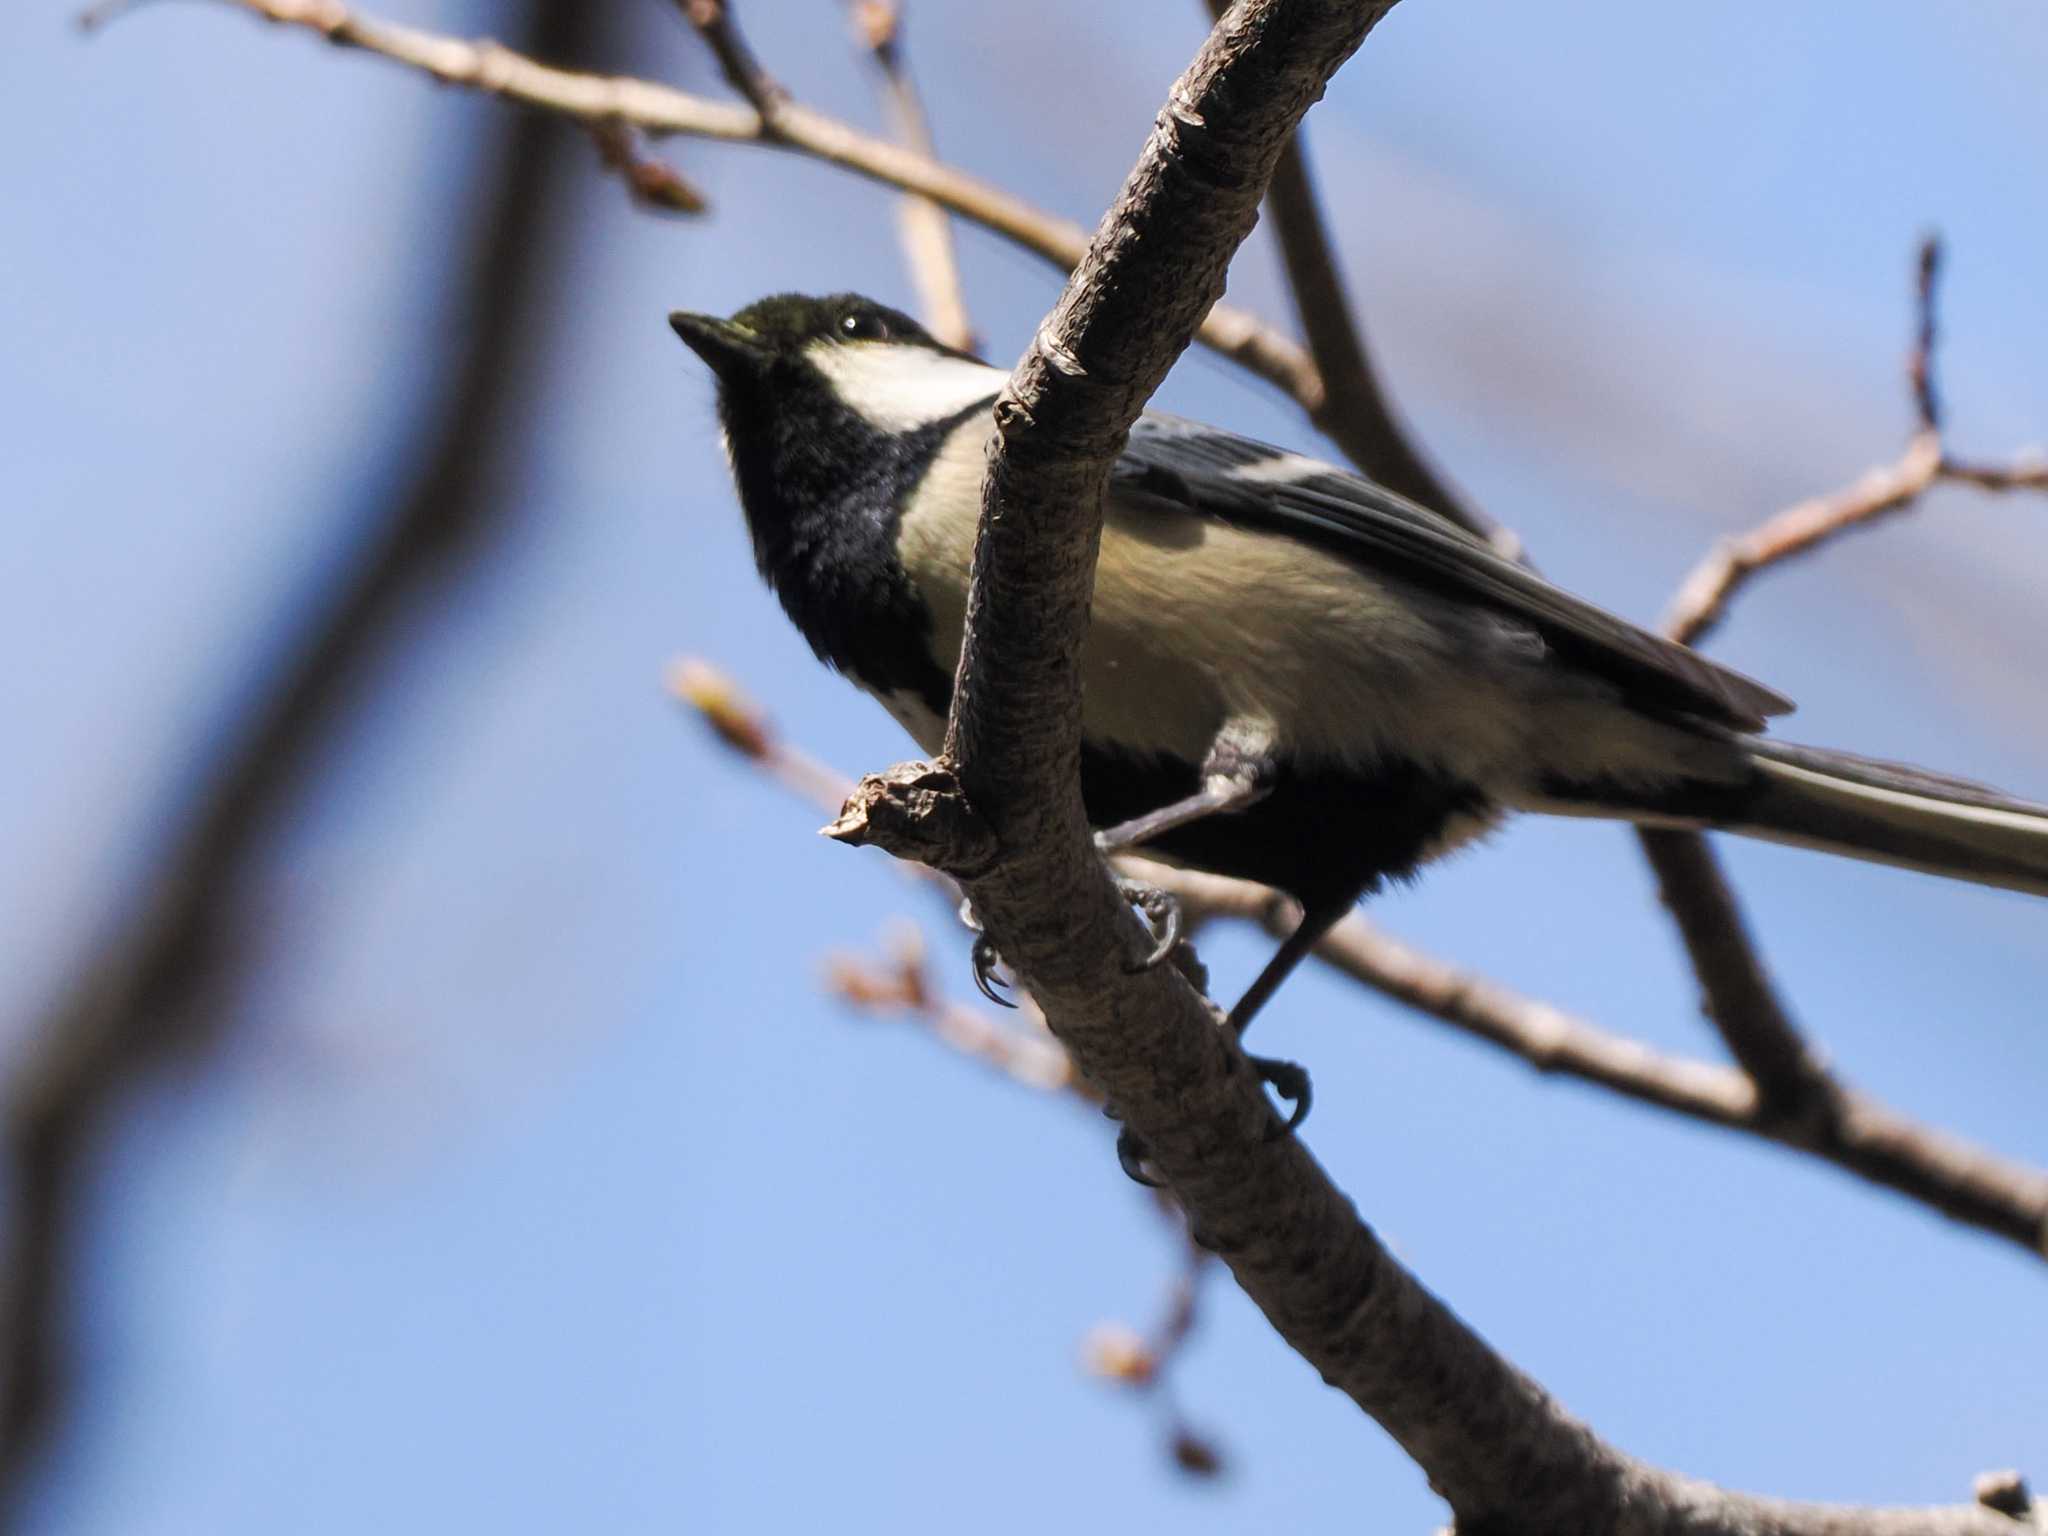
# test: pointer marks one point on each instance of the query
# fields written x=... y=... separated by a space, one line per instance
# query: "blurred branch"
x=660 y=110
x=903 y=985
x=1353 y=409
x=157 y=982
x=1143 y=1363
x=927 y=230
x=652 y=183
x=1739 y=997
x=736 y=61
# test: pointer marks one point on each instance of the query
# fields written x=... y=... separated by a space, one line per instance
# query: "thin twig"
x=651 y=182
x=1705 y=595
x=902 y=985
x=1144 y=1362
x=1736 y=991
x=743 y=72
x=660 y=110
x=927 y=230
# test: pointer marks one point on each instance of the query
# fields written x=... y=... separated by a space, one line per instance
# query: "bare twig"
x=1144 y=1363
x=1736 y=991
x=903 y=985
x=1705 y=595
x=927 y=230
x=743 y=72
x=660 y=110
x=652 y=183
x=741 y=725
x=159 y=980
x=1920 y=361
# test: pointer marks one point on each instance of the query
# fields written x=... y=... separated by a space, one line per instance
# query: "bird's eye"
x=863 y=325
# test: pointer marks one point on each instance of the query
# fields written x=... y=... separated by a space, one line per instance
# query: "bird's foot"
x=986 y=962
x=1286 y=1078
x=1289 y=1079
x=1130 y=1156
x=1162 y=913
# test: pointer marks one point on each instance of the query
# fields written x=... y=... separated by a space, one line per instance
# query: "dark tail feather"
x=1884 y=812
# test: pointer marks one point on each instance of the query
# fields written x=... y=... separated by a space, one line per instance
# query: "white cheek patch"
x=899 y=388
x=1286 y=469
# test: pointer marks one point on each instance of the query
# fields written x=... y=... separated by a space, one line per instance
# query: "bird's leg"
x=1233 y=777
x=1288 y=1079
x=1315 y=922
x=1231 y=780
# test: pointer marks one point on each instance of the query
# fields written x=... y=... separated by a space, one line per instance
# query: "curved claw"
x=1290 y=1080
x=985 y=960
x=1130 y=1156
x=1162 y=915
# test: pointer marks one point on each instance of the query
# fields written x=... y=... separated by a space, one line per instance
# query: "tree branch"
x=1869 y=1139
x=660 y=110
x=1863 y=1136
x=1002 y=812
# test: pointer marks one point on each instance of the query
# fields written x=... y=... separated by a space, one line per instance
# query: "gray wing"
x=1253 y=485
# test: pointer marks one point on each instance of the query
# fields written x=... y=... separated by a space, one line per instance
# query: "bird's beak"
x=731 y=350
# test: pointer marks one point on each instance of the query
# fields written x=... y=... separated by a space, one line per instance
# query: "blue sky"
x=540 y=1183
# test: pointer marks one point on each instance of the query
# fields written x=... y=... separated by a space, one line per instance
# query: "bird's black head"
x=817 y=392
x=775 y=343
x=779 y=353
x=834 y=409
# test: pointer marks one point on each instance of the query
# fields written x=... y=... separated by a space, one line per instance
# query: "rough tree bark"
x=1001 y=812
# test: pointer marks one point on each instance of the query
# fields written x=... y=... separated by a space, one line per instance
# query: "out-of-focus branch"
x=157 y=981
x=927 y=230
x=651 y=182
x=1354 y=410
x=902 y=984
x=660 y=110
x=736 y=61
x=1144 y=1363
x=1739 y=997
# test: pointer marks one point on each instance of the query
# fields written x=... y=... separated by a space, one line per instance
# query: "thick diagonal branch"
x=1002 y=810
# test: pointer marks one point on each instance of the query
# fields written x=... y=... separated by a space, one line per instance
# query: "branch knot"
x=918 y=811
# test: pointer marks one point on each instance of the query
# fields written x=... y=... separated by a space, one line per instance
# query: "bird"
x=1291 y=675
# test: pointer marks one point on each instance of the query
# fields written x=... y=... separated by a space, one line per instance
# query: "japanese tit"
x=1291 y=675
